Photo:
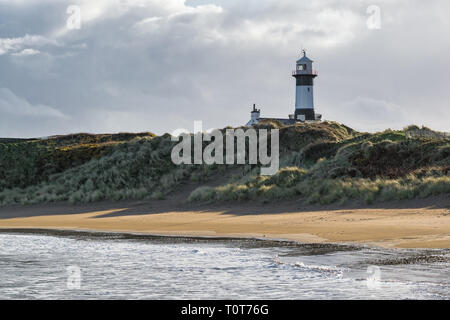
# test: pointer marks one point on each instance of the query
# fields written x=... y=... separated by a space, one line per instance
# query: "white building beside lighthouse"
x=304 y=75
x=254 y=116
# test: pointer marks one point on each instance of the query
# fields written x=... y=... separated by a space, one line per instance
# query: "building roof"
x=304 y=59
x=283 y=121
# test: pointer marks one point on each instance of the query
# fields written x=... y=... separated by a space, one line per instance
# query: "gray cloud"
x=159 y=65
x=24 y=45
x=365 y=112
x=12 y=104
x=18 y=117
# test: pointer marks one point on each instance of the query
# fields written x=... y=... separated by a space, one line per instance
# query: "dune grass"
x=296 y=183
x=365 y=167
x=320 y=163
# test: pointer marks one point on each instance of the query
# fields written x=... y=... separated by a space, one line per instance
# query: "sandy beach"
x=423 y=223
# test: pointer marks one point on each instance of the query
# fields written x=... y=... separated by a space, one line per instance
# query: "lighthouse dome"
x=304 y=59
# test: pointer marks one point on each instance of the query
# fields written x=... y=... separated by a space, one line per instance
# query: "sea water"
x=80 y=265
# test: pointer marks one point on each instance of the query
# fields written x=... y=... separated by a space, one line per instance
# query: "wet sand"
x=423 y=223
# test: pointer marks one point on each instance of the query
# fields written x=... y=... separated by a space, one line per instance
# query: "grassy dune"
x=346 y=166
x=320 y=163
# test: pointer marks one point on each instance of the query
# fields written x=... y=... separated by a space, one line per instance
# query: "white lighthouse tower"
x=304 y=97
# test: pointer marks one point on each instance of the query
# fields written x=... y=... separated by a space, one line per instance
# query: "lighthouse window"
x=308 y=89
x=301 y=67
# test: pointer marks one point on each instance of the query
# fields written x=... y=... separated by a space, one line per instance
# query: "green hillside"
x=319 y=163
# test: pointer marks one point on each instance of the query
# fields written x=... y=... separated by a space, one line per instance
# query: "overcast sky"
x=158 y=65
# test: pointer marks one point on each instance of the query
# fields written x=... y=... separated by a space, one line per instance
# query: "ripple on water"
x=116 y=266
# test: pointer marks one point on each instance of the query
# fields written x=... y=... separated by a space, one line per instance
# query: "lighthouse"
x=304 y=75
x=304 y=97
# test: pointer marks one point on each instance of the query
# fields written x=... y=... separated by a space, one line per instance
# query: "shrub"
x=202 y=194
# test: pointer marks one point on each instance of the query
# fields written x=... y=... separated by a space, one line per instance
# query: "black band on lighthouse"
x=308 y=113
x=304 y=80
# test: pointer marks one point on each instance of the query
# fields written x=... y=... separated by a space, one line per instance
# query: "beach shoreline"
x=169 y=238
x=423 y=223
